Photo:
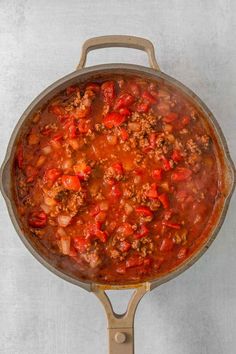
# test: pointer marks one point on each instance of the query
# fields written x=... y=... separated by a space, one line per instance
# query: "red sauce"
x=118 y=177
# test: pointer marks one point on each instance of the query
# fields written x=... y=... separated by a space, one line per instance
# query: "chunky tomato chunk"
x=71 y=182
x=113 y=120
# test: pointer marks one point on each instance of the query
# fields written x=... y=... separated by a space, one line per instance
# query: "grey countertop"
x=40 y=41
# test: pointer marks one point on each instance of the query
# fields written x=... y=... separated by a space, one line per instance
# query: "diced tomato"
x=164 y=200
x=181 y=174
x=71 y=182
x=152 y=193
x=123 y=100
x=93 y=87
x=157 y=174
x=166 y=164
x=37 y=219
x=94 y=230
x=118 y=168
x=170 y=117
x=134 y=261
x=113 y=120
x=166 y=245
x=142 y=107
x=148 y=97
x=143 y=231
x=182 y=253
x=81 y=244
x=102 y=236
x=124 y=246
x=143 y=211
x=52 y=174
x=185 y=120
x=19 y=156
x=124 y=134
x=108 y=91
x=176 y=156
x=172 y=225
x=70 y=90
x=125 y=112
x=101 y=216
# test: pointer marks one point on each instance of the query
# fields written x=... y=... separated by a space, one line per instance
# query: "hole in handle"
x=119 y=300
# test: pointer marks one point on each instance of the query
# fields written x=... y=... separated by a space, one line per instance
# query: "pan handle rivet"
x=120 y=337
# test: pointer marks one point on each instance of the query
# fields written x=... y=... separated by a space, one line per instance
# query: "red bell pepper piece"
x=152 y=193
x=166 y=245
x=157 y=174
x=172 y=225
x=124 y=134
x=143 y=211
x=164 y=200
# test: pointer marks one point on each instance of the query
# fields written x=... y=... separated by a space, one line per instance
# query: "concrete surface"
x=40 y=41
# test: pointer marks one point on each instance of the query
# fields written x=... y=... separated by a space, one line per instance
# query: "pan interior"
x=60 y=264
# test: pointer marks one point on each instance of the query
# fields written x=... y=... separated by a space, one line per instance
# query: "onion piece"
x=135 y=127
x=112 y=139
x=65 y=244
x=67 y=164
x=128 y=209
x=45 y=208
x=49 y=201
x=74 y=144
x=104 y=205
x=47 y=150
x=61 y=232
x=40 y=161
x=64 y=220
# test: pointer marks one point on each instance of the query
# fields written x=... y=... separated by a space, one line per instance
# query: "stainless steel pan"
x=120 y=327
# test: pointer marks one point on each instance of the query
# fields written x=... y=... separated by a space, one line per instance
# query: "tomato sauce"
x=119 y=177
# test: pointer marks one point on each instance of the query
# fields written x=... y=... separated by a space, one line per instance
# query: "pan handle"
x=119 y=41
x=121 y=327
